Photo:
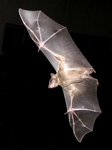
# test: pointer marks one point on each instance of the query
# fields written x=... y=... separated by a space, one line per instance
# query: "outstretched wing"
x=53 y=40
x=83 y=108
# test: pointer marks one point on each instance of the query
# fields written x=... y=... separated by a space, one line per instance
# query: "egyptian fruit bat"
x=72 y=70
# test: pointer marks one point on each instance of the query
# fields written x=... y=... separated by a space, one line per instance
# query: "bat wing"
x=53 y=40
x=83 y=108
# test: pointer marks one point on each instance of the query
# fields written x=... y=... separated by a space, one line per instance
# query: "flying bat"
x=73 y=71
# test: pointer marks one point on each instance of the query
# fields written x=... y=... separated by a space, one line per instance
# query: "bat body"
x=72 y=70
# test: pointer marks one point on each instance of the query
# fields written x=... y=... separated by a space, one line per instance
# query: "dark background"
x=31 y=115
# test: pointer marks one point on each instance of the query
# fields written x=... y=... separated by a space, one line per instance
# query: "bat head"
x=53 y=82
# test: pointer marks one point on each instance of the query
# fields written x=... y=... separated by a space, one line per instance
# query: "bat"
x=73 y=71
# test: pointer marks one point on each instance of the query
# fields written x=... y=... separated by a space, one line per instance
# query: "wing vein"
x=85 y=109
x=82 y=122
x=54 y=34
x=39 y=25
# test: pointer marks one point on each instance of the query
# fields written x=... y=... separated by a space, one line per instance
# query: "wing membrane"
x=50 y=36
x=84 y=107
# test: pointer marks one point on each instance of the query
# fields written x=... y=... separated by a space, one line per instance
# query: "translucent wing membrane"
x=84 y=107
x=51 y=37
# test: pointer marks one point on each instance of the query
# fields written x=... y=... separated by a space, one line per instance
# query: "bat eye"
x=50 y=81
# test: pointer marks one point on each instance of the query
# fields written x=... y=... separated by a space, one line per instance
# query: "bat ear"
x=52 y=74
